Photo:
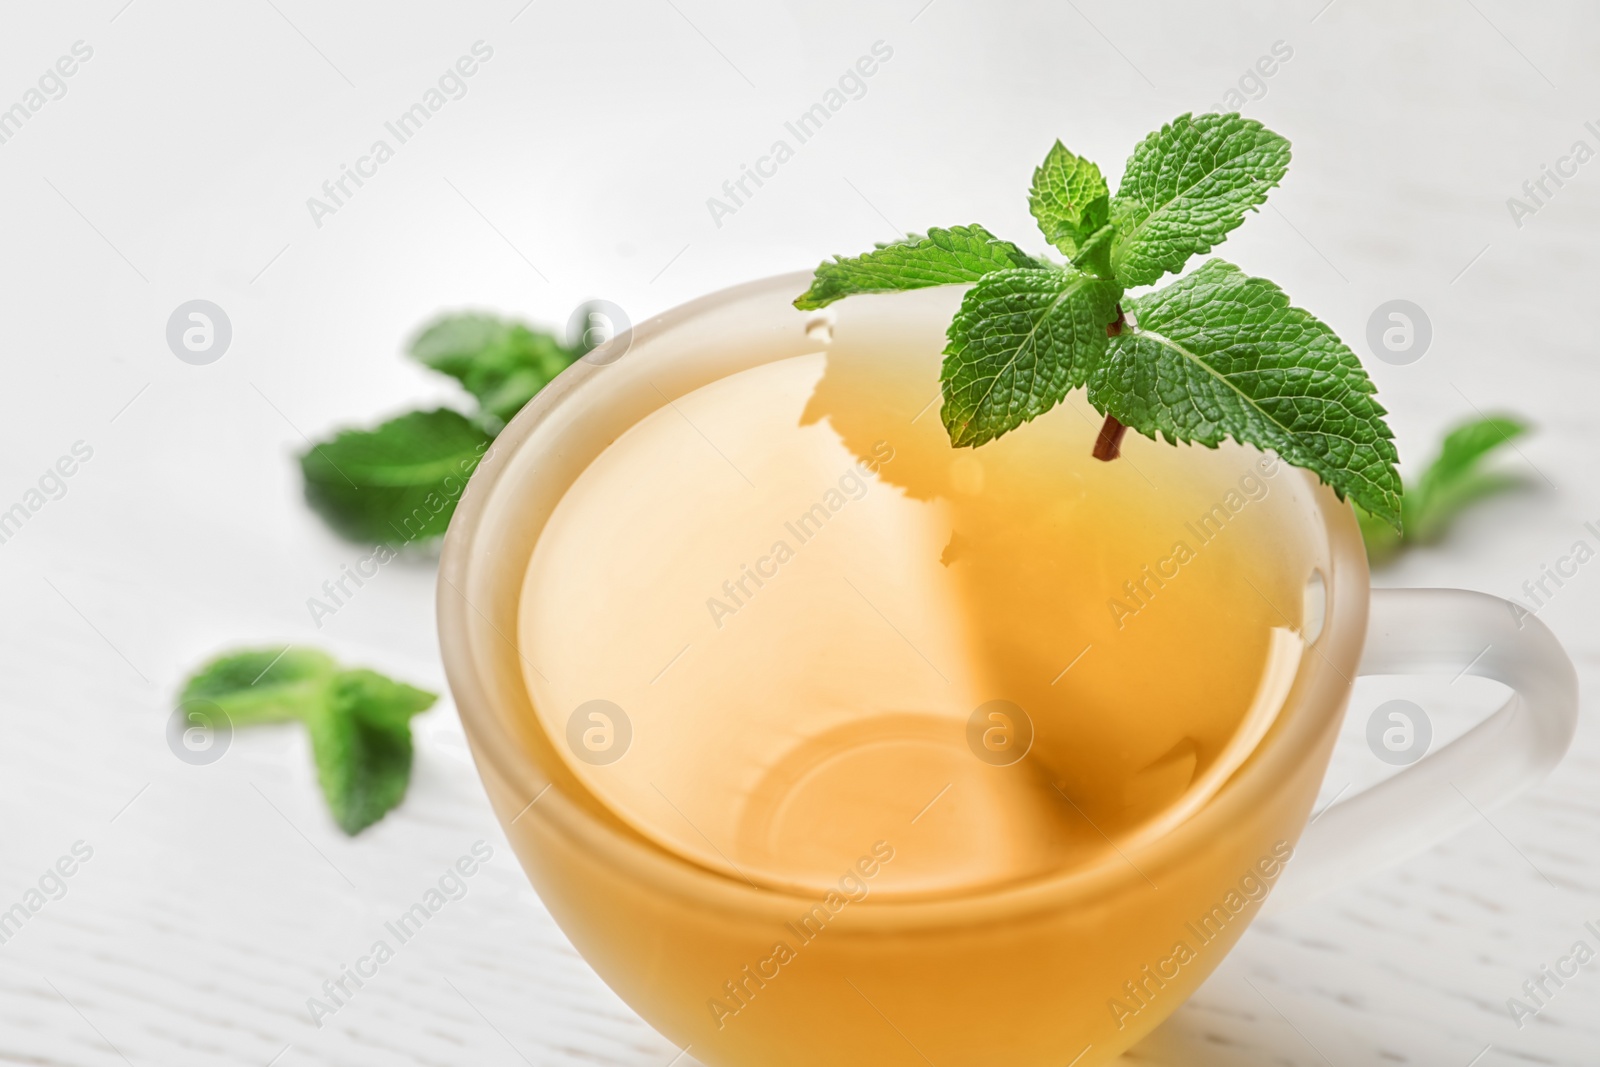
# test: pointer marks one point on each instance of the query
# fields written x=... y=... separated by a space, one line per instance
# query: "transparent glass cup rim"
x=1315 y=703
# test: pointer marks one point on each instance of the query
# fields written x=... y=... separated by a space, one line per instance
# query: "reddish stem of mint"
x=1108 y=445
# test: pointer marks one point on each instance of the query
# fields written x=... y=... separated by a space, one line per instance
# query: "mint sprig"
x=502 y=364
x=399 y=482
x=1215 y=355
x=359 y=721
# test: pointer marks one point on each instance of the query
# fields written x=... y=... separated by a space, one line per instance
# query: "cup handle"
x=1445 y=632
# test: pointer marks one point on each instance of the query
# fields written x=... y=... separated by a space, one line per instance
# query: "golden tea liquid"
x=780 y=625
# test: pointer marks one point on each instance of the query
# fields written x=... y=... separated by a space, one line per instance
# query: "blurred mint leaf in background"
x=501 y=363
x=397 y=483
x=262 y=685
x=361 y=738
x=359 y=720
x=1454 y=480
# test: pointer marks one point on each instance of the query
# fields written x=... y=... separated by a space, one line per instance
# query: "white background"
x=578 y=165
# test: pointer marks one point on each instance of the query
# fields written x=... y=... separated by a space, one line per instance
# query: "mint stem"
x=1108 y=445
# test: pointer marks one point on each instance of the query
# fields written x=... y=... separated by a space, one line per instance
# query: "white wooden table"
x=177 y=165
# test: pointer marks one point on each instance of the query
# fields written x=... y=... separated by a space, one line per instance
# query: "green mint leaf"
x=1094 y=254
x=261 y=685
x=361 y=740
x=1220 y=354
x=1070 y=199
x=1022 y=339
x=1454 y=480
x=379 y=698
x=359 y=720
x=1186 y=186
x=503 y=364
x=396 y=483
x=453 y=344
x=943 y=257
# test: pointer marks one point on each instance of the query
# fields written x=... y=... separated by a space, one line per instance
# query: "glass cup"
x=1069 y=966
